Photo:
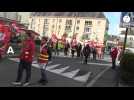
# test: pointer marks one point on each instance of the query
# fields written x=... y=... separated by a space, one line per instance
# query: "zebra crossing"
x=61 y=71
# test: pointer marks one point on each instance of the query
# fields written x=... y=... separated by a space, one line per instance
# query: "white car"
x=130 y=50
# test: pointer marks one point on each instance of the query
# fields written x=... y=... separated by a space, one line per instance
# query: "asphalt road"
x=61 y=72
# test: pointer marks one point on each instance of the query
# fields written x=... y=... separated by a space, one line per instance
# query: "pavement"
x=63 y=71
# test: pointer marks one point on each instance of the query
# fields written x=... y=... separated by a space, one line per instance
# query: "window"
x=68 y=28
x=131 y=39
x=53 y=26
x=39 y=20
x=85 y=37
x=53 y=20
x=68 y=22
x=77 y=28
x=99 y=22
x=45 y=25
x=78 y=21
x=46 y=21
x=87 y=23
x=87 y=30
x=32 y=23
x=38 y=27
x=60 y=20
x=59 y=27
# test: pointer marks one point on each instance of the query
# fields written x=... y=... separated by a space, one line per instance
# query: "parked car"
x=129 y=50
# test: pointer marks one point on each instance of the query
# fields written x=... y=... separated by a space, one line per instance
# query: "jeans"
x=113 y=63
x=86 y=57
x=72 y=51
x=94 y=56
x=43 y=73
x=24 y=65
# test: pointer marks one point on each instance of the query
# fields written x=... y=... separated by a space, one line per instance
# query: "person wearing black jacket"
x=86 y=51
x=67 y=46
x=94 y=51
x=79 y=47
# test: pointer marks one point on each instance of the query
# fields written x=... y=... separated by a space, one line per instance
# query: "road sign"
x=127 y=19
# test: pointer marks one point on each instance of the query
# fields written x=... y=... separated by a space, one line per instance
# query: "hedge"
x=127 y=67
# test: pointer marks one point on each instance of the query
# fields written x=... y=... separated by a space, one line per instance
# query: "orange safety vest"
x=43 y=56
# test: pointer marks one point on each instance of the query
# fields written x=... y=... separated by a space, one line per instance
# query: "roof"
x=70 y=14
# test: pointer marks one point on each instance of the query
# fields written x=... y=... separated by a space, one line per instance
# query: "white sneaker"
x=16 y=83
x=26 y=84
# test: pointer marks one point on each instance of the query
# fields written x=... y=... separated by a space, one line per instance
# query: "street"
x=61 y=72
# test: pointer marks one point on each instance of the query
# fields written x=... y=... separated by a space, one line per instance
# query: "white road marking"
x=52 y=66
x=71 y=74
x=99 y=64
x=18 y=60
x=83 y=78
x=91 y=83
x=58 y=71
x=36 y=65
x=35 y=62
x=15 y=59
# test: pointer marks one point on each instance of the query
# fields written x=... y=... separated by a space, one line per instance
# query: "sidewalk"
x=110 y=79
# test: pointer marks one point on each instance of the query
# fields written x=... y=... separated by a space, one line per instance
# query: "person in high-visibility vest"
x=43 y=60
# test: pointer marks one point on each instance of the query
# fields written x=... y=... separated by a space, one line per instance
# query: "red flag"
x=64 y=36
x=74 y=42
x=7 y=33
x=15 y=27
x=54 y=38
x=2 y=26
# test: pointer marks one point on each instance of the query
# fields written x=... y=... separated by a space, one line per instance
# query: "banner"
x=15 y=27
x=7 y=33
x=54 y=38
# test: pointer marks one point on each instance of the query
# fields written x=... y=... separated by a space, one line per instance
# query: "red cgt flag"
x=54 y=38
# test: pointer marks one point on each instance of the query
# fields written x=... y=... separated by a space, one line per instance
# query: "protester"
x=99 y=52
x=26 y=57
x=43 y=60
x=103 y=52
x=66 y=48
x=86 y=51
x=50 y=48
x=119 y=56
x=114 y=52
x=94 y=51
x=56 y=48
x=78 y=48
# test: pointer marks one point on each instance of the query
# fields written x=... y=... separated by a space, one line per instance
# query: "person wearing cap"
x=43 y=60
x=26 y=58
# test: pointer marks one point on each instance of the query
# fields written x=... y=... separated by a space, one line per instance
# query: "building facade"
x=88 y=25
x=23 y=18
x=9 y=15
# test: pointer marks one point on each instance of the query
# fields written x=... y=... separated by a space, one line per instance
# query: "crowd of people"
x=80 y=50
x=45 y=55
x=47 y=48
